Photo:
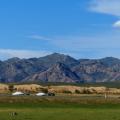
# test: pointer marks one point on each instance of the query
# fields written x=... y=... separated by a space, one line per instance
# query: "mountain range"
x=60 y=68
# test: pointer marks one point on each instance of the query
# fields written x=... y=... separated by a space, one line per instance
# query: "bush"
x=45 y=90
x=77 y=91
x=86 y=91
x=67 y=92
x=11 y=88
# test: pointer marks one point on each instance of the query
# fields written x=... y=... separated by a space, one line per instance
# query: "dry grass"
x=3 y=88
x=33 y=88
x=28 y=88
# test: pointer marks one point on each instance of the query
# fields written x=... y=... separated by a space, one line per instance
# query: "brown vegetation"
x=33 y=88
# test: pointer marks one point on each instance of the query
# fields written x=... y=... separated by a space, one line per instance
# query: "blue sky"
x=80 y=28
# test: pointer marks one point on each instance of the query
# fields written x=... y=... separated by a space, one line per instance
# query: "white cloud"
x=74 y=43
x=8 y=53
x=87 y=46
x=117 y=24
x=38 y=37
x=111 y=7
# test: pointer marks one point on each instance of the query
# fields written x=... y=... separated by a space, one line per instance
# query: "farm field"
x=59 y=108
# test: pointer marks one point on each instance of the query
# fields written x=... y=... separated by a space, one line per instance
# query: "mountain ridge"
x=60 y=68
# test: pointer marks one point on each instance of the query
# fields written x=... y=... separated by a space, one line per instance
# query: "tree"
x=11 y=88
x=45 y=90
x=77 y=91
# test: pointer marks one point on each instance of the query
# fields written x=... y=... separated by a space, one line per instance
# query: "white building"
x=41 y=94
x=17 y=93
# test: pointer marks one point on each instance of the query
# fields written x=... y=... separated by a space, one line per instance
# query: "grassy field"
x=59 y=108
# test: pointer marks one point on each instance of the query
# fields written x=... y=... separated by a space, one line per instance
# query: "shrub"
x=77 y=91
x=86 y=91
x=45 y=90
x=67 y=92
x=11 y=88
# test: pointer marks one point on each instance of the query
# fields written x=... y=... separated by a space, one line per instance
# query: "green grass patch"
x=56 y=108
x=59 y=112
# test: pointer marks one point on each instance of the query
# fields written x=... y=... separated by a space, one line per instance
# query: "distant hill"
x=60 y=68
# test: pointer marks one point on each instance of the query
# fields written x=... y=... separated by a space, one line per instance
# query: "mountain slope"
x=101 y=70
x=60 y=68
x=57 y=73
